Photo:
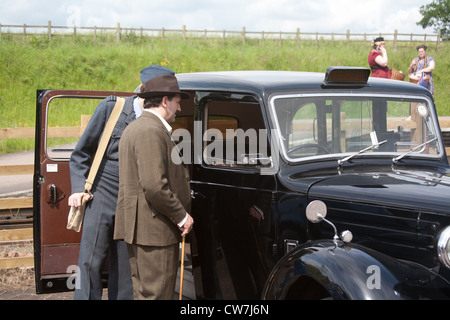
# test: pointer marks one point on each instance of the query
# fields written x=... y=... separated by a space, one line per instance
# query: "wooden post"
x=395 y=39
x=95 y=34
x=243 y=35
x=24 y=32
x=49 y=30
x=298 y=35
x=438 y=41
x=84 y=122
x=118 y=33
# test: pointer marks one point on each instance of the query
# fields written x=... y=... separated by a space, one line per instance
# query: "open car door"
x=61 y=116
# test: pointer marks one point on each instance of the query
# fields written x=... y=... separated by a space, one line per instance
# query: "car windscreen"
x=337 y=125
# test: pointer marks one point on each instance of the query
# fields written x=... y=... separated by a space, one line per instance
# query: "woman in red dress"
x=378 y=59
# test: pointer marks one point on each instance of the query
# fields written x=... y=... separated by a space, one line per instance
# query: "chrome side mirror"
x=316 y=211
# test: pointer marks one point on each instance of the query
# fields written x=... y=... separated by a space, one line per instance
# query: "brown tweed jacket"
x=154 y=192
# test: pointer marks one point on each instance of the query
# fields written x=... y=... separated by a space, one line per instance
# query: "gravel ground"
x=18 y=283
x=18 y=277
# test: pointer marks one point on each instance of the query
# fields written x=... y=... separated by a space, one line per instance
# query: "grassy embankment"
x=80 y=64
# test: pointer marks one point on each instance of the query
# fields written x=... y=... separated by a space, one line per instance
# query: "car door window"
x=235 y=135
x=66 y=120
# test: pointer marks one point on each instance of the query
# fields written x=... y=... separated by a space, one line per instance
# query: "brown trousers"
x=153 y=271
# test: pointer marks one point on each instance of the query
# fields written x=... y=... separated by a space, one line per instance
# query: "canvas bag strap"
x=104 y=142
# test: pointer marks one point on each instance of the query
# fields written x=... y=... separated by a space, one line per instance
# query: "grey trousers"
x=97 y=246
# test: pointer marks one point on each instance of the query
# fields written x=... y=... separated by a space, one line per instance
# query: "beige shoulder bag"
x=76 y=215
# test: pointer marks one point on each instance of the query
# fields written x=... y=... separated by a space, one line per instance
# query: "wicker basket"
x=416 y=78
x=397 y=75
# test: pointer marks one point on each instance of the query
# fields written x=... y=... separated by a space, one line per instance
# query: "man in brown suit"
x=154 y=192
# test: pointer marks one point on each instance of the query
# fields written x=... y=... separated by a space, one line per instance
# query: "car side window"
x=234 y=135
x=67 y=117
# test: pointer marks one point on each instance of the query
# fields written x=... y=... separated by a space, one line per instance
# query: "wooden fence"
x=119 y=33
x=18 y=133
x=20 y=237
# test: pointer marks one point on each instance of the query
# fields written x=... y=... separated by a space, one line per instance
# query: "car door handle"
x=54 y=194
x=195 y=194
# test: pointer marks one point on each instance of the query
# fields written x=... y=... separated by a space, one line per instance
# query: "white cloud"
x=325 y=16
x=397 y=20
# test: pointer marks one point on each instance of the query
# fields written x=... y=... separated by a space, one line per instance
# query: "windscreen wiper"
x=396 y=159
x=375 y=145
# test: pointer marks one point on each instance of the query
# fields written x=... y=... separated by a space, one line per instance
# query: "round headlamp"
x=443 y=247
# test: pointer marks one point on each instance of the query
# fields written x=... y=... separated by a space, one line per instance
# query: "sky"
x=325 y=16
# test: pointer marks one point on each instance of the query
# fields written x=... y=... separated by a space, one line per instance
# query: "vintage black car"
x=304 y=186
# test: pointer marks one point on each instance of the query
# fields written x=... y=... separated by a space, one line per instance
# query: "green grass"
x=66 y=63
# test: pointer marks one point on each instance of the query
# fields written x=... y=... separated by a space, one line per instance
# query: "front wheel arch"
x=305 y=287
x=350 y=272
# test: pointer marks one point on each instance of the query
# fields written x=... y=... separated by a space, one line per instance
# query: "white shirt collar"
x=137 y=107
x=165 y=123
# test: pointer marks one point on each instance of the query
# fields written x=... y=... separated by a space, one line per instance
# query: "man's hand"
x=75 y=199
x=187 y=226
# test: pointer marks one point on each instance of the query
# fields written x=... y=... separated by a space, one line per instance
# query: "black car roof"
x=267 y=82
